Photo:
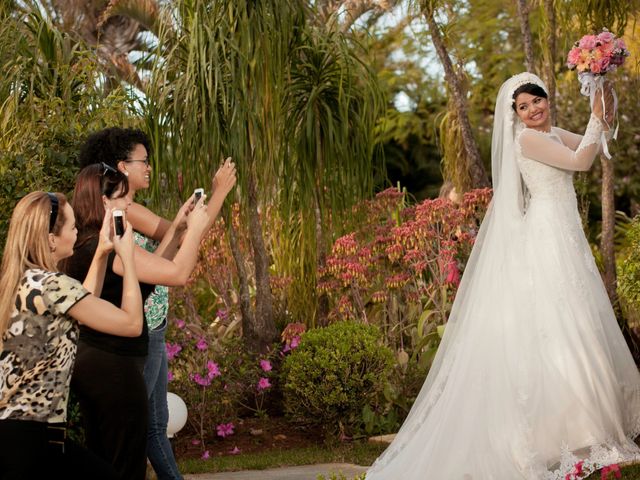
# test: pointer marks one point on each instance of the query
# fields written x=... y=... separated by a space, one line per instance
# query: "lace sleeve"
x=543 y=148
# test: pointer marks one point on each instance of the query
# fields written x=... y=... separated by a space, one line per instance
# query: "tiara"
x=524 y=78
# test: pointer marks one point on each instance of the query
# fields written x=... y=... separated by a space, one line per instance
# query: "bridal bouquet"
x=593 y=56
x=597 y=54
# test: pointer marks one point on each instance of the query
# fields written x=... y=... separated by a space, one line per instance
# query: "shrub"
x=334 y=373
x=629 y=273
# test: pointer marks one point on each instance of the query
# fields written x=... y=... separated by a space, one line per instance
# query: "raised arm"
x=541 y=147
x=95 y=275
x=147 y=222
x=155 y=269
x=103 y=316
x=221 y=185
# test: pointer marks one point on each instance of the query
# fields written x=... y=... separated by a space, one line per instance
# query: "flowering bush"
x=218 y=379
x=333 y=373
x=401 y=269
x=597 y=54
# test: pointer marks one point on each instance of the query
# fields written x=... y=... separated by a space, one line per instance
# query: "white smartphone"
x=197 y=194
x=118 y=222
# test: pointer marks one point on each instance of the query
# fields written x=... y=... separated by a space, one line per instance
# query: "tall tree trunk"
x=322 y=309
x=248 y=323
x=525 y=28
x=550 y=56
x=477 y=172
x=264 y=325
x=608 y=225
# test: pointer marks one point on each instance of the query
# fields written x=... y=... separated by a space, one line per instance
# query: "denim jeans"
x=159 y=449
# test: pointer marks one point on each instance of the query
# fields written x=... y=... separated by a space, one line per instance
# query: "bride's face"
x=533 y=111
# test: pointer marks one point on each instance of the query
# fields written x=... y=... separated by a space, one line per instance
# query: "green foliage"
x=629 y=273
x=333 y=373
x=49 y=100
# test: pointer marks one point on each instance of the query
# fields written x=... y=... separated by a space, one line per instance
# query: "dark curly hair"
x=111 y=146
x=531 y=89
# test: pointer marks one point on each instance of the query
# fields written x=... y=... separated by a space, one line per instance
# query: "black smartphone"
x=118 y=222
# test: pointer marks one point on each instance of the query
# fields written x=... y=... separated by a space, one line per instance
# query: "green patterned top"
x=157 y=305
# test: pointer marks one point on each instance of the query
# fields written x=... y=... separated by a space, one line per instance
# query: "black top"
x=77 y=267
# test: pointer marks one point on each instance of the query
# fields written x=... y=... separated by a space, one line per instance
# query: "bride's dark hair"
x=531 y=89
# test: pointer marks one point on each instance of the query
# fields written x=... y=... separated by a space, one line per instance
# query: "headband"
x=53 y=216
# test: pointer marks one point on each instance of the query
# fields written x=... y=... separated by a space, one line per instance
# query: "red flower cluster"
x=401 y=256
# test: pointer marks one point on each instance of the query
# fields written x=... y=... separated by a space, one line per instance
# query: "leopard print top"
x=39 y=348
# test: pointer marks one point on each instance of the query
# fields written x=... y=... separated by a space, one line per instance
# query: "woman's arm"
x=95 y=275
x=103 y=316
x=576 y=152
x=221 y=185
x=154 y=269
x=147 y=222
x=539 y=146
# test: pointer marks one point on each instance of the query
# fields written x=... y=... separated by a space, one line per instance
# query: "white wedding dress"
x=533 y=374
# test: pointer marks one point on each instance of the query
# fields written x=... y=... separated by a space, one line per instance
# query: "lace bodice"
x=544 y=181
x=547 y=160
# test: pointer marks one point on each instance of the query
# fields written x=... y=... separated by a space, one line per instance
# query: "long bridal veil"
x=513 y=384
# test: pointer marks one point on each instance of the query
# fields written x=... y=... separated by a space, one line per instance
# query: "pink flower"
x=574 y=56
x=200 y=380
x=225 y=429
x=195 y=441
x=265 y=365
x=205 y=455
x=234 y=451
x=614 y=468
x=202 y=344
x=180 y=324
x=453 y=274
x=295 y=341
x=263 y=383
x=606 y=37
x=172 y=350
x=213 y=369
x=588 y=42
x=169 y=376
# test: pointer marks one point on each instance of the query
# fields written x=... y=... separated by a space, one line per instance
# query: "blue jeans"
x=159 y=449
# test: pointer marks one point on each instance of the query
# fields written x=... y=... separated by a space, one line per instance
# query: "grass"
x=358 y=453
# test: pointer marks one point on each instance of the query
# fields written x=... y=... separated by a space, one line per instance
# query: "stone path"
x=305 y=472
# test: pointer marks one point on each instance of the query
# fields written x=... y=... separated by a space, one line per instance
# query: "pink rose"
x=588 y=42
x=620 y=44
x=603 y=63
x=574 y=56
x=606 y=37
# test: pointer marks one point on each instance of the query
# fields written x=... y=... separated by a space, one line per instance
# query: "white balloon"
x=177 y=414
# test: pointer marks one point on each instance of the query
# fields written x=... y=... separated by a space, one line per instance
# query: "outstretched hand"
x=225 y=178
x=608 y=113
x=198 y=218
x=180 y=221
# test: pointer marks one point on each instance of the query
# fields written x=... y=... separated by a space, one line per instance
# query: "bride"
x=533 y=378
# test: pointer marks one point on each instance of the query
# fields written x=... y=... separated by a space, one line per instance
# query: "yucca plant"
x=292 y=106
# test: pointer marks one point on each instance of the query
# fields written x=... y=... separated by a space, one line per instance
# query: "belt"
x=56 y=435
